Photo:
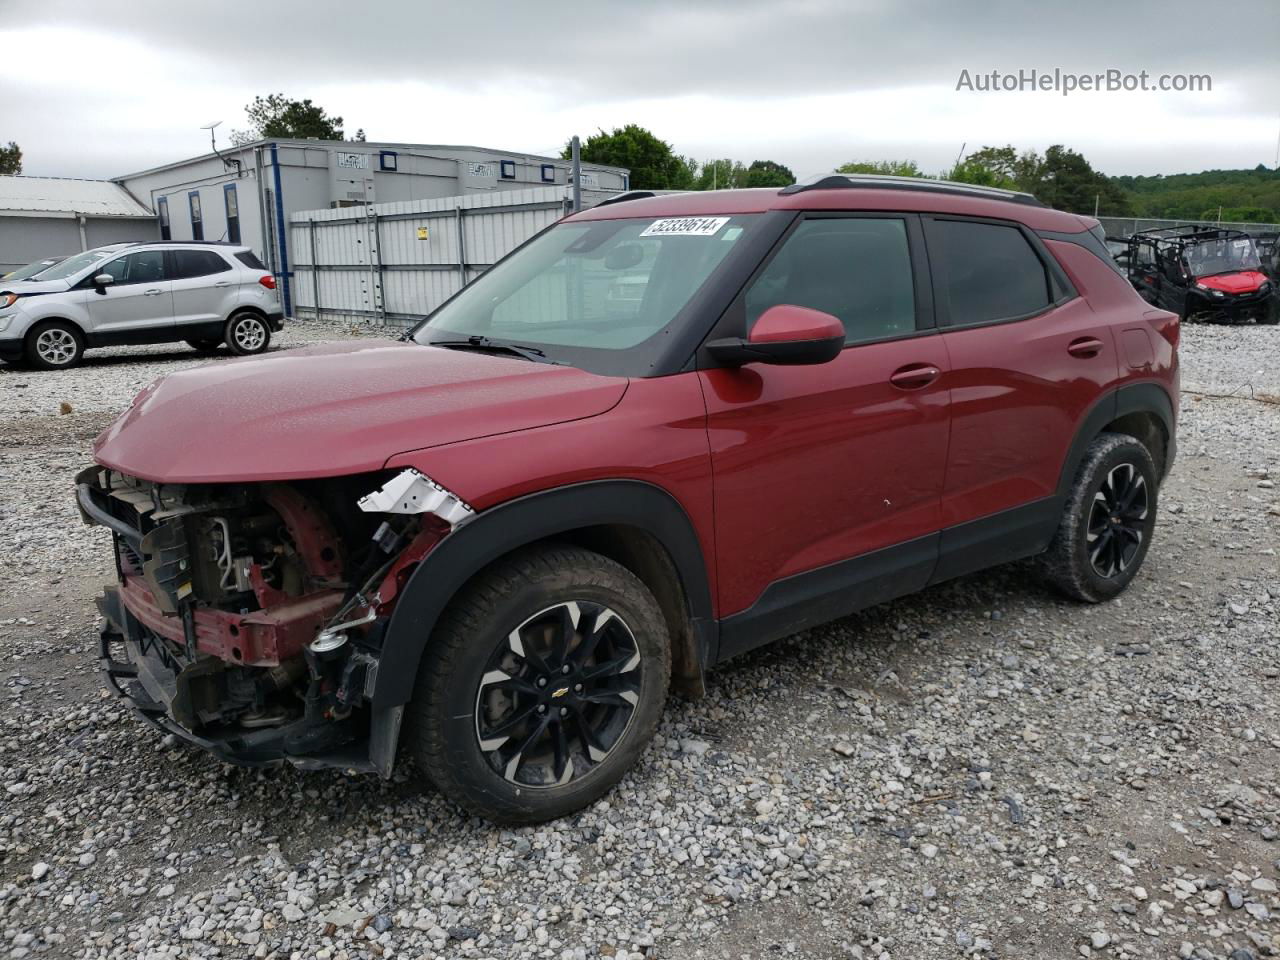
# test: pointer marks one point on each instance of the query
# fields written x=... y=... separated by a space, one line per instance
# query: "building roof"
x=66 y=197
x=425 y=149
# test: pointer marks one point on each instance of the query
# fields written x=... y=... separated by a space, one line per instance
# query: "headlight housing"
x=1209 y=291
x=8 y=300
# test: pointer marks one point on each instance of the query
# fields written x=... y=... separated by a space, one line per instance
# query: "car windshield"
x=73 y=265
x=1222 y=256
x=31 y=270
x=581 y=290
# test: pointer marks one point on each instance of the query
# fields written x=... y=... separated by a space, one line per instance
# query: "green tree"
x=722 y=175
x=276 y=116
x=767 y=173
x=1068 y=182
x=893 y=168
x=10 y=159
x=653 y=164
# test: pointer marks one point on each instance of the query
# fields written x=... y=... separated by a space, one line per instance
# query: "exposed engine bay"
x=248 y=618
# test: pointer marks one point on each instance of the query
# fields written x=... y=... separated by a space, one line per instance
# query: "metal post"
x=375 y=235
x=315 y=270
x=577 y=174
x=462 y=251
x=84 y=238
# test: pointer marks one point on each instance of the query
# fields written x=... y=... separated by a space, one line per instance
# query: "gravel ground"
x=980 y=769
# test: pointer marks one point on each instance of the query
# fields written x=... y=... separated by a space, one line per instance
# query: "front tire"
x=247 y=333
x=54 y=345
x=1106 y=525
x=541 y=685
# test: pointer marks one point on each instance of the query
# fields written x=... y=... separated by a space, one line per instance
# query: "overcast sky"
x=95 y=90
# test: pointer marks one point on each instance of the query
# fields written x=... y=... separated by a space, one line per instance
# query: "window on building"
x=857 y=269
x=548 y=173
x=989 y=272
x=197 y=220
x=232 y=203
x=197 y=263
x=162 y=209
x=508 y=169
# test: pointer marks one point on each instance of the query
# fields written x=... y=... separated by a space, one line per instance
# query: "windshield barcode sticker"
x=685 y=227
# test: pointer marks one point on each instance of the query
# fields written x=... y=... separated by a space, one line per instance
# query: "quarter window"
x=857 y=269
x=988 y=272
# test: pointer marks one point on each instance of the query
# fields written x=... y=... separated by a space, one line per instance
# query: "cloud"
x=808 y=82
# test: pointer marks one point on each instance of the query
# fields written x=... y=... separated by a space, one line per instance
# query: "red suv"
x=661 y=433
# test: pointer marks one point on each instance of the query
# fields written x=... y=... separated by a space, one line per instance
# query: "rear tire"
x=247 y=333
x=204 y=346
x=541 y=685
x=1107 y=522
x=54 y=345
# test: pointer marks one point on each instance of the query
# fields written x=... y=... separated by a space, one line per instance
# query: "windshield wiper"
x=486 y=345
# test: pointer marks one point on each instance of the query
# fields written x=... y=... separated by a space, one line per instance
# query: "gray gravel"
x=983 y=769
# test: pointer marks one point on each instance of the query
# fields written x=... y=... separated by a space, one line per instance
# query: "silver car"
x=205 y=294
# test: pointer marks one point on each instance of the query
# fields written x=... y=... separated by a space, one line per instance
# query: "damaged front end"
x=248 y=618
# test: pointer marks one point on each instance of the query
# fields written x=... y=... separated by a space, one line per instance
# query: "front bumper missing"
x=156 y=691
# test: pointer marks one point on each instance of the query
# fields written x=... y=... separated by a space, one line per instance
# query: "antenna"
x=213 y=145
x=211 y=127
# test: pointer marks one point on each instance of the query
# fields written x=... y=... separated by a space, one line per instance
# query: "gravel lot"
x=981 y=769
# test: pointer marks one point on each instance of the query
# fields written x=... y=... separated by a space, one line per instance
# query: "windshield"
x=1222 y=256
x=73 y=265
x=582 y=289
x=31 y=270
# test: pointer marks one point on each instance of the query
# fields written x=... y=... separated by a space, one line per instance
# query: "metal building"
x=249 y=194
x=55 y=216
x=393 y=263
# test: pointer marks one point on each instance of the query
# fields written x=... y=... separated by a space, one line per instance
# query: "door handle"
x=914 y=376
x=1085 y=347
x=223 y=283
x=151 y=293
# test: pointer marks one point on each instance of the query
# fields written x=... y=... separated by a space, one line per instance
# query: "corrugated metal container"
x=393 y=263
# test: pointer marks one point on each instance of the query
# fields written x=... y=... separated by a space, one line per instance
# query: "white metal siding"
x=386 y=274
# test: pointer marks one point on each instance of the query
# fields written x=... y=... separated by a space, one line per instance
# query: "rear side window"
x=197 y=263
x=250 y=260
x=986 y=272
x=857 y=269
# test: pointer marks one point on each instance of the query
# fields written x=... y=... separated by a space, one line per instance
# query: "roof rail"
x=624 y=197
x=878 y=181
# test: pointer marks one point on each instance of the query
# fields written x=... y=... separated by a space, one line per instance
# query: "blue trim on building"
x=286 y=298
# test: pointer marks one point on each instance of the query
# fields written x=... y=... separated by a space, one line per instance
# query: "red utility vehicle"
x=663 y=432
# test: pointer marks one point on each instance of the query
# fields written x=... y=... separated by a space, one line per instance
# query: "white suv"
x=204 y=293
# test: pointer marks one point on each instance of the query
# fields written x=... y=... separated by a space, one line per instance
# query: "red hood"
x=1244 y=281
x=337 y=409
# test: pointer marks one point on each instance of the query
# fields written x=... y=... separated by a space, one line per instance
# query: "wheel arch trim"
x=499 y=530
x=1147 y=397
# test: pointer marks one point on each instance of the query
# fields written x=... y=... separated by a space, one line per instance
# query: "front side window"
x=580 y=290
x=988 y=272
x=856 y=269
x=144 y=267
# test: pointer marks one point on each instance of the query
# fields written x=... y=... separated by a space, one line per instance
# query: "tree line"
x=1060 y=177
